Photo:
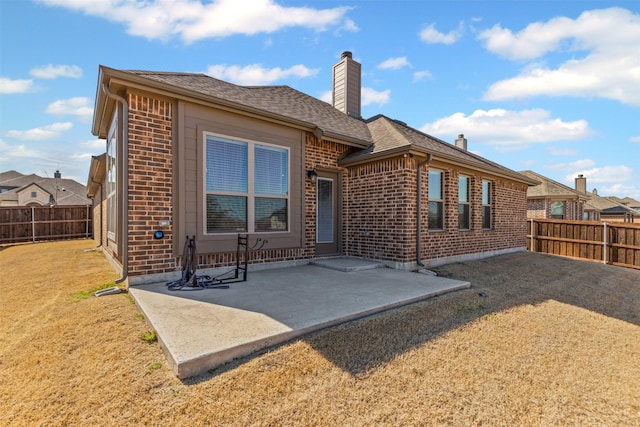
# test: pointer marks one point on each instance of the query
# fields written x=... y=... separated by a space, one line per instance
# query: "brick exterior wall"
x=378 y=204
x=150 y=170
x=380 y=210
x=541 y=208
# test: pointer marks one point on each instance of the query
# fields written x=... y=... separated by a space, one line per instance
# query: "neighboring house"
x=613 y=211
x=190 y=155
x=17 y=189
x=628 y=202
x=553 y=200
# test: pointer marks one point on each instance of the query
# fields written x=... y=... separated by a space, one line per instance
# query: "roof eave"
x=117 y=77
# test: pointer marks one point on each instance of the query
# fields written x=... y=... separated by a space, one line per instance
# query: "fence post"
x=532 y=250
x=33 y=224
x=86 y=228
x=604 y=252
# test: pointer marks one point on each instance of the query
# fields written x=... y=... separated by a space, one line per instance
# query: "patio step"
x=347 y=264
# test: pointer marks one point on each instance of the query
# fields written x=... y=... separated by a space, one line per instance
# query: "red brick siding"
x=508 y=213
x=321 y=154
x=150 y=184
x=378 y=204
x=541 y=208
x=380 y=210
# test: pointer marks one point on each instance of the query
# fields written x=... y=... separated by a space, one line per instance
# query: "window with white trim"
x=486 y=204
x=464 y=209
x=436 y=200
x=112 y=201
x=246 y=186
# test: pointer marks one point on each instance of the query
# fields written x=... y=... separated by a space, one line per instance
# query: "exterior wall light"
x=312 y=175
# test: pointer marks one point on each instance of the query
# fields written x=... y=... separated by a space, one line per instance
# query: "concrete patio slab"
x=202 y=329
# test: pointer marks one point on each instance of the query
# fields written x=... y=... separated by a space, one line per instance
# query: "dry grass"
x=554 y=342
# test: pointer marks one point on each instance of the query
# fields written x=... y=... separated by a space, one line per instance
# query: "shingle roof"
x=281 y=100
x=389 y=134
x=377 y=135
x=549 y=188
x=68 y=191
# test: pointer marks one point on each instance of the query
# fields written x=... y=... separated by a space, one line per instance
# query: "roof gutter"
x=419 y=209
x=124 y=236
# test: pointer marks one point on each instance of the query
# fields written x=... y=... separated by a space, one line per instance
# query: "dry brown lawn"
x=554 y=342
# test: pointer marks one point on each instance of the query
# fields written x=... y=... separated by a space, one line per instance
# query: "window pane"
x=486 y=191
x=226 y=213
x=557 y=210
x=271 y=214
x=271 y=171
x=435 y=185
x=324 y=211
x=463 y=189
x=463 y=216
x=226 y=165
x=435 y=216
x=486 y=217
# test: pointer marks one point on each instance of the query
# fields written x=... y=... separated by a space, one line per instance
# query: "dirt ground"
x=551 y=341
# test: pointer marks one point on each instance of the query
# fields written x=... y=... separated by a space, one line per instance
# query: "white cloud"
x=371 y=96
x=602 y=175
x=580 y=164
x=95 y=144
x=429 y=34
x=79 y=106
x=8 y=86
x=508 y=129
x=609 y=69
x=8 y=151
x=55 y=71
x=326 y=96
x=561 y=152
x=52 y=131
x=421 y=75
x=256 y=74
x=194 y=20
x=634 y=139
x=394 y=63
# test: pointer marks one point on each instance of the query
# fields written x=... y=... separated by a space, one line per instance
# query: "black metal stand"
x=190 y=280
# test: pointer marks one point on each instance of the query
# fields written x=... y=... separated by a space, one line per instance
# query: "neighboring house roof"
x=376 y=137
x=550 y=189
x=67 y=191
x=610 y=205
x=627 y=201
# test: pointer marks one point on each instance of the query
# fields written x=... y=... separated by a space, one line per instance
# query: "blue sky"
x=551 y=86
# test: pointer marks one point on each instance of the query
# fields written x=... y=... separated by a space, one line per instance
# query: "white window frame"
x=466 y=202
x=112 y=179
x=440 y=200
x=487 y=205
x=250 y=194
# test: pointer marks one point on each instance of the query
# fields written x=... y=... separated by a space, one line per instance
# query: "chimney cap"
x=346 y=54
x=461 y=135
x=580 y=175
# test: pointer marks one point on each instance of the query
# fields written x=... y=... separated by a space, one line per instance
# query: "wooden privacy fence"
x=610 y=243
x=31 y=223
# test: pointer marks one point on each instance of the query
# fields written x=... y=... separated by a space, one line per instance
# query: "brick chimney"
x=346 y=85
x=581 y=184
x=461 y=142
